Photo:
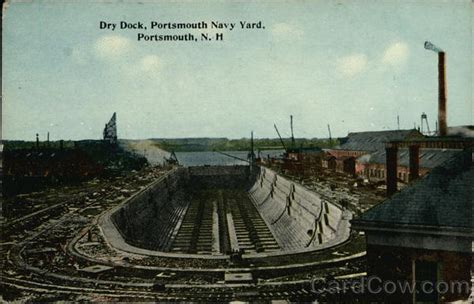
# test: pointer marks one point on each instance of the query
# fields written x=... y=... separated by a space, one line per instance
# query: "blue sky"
x=352 y=64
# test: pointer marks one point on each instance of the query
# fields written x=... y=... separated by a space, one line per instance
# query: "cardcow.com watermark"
x=375 y=285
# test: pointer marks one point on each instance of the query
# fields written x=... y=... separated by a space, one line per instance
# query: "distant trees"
x=242 y=144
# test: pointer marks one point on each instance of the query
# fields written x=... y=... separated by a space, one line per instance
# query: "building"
x=26 y=170
x=346 y=164
x=329 y=162
x=372 y=166
x=424 y=233
x=358 y=144
x=461 y=131
x=302 y=161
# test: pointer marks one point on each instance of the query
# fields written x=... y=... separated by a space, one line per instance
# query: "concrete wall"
x=220 y=177
x=152 y=218
x=298 y=217
x=149 y=219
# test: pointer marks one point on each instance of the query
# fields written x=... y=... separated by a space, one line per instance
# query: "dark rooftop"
x=443 y=198
x=462 y=131
x=373 y=141
x=429 y=158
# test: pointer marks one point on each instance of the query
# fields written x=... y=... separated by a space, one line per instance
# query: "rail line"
x=25 y=276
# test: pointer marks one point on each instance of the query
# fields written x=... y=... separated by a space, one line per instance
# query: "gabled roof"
x=443 y=198
x=429 y=158
x=373 y=141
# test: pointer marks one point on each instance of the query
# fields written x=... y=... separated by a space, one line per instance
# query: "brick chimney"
x=391 y=168
x=443 y=128
x=414 y=162
x=441 y=87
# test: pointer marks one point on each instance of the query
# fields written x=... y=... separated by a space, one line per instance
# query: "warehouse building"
x=424 y=233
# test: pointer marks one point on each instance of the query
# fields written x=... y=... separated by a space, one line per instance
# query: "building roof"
x=373 y=141
x=443 y=198
x=461 y=131
x=304 y=150
x=429 y=158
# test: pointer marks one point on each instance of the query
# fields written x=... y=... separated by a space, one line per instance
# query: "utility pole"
x=252 y=154
x=329 y=130
x=292 y=137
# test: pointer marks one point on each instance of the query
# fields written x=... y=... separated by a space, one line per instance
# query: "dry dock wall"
x=220 y=177
x=297 y=217
x=149 y=219
x=152 y=218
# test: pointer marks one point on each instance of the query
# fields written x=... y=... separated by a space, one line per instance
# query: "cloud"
x=150 y=63
x=396 y=53
x=112 y=46
x=285 y=31
x=352 y=64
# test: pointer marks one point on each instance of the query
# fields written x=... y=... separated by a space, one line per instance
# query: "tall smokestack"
x=414 y=152
x=391 y=164
x=443 y=128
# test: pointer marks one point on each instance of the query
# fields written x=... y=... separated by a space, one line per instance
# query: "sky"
x=355 y=65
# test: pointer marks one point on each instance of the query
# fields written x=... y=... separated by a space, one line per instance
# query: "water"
x=188 y=159
x=156 y=156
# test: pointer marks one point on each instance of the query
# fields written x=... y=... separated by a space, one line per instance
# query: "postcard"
x=237 y=151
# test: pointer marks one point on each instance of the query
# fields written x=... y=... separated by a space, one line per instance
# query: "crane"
x=232 y=156
x=424 y=117
x=281 y=140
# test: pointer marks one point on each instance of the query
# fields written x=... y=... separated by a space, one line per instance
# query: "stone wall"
x=151 y=219
x=220 y=177
x=298 y=217
x=148 y=219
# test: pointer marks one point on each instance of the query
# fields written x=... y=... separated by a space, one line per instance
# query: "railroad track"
x=42 y=280
x=195 y=233
x=253 y=235
x=174 y=292
x=12 y=251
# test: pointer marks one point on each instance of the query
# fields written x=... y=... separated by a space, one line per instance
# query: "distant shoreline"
x=191 y=144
